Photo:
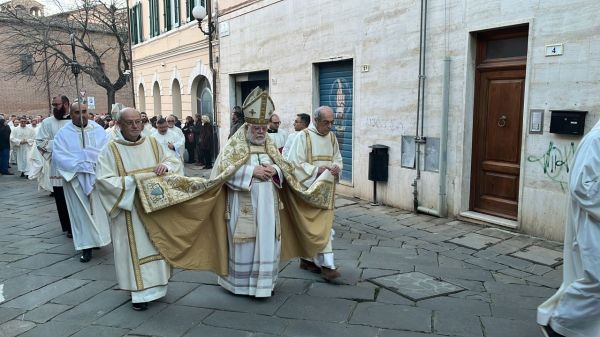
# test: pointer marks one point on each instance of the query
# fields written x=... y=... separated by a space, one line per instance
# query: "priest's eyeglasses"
x=131 y=122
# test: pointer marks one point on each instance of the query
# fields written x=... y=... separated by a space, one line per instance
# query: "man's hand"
x=171 y=146
x=263 y=173
x=335 y=170
x=161 y=169
x=24 y=141
x=321 y=170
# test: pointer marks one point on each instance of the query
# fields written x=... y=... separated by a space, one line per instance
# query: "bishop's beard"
x=59 y=113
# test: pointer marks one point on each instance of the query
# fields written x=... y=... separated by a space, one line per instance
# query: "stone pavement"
x=404 y=275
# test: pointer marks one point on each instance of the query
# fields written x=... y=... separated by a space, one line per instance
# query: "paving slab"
x=177 y=290
x=100 y=331
x=84 y=293
x=193 y=276
x=246 y=322
x=97 y=272
x=212 y=331
x=540 y=255
x=40 y=296
x=342 y=291
x=44 y=313
x=23 y=284
x=416 y=286
x=501 y=327
x=475 y=241
x=456 y=323
x=299 y=328
x=54 y=329
x=518 y=289
x=389 y=316
x=316 y=308
x=457 y=305
x=95 y=307
x=127 y=318
x=6 y=314
x=341 y=202
x=174 y=321
x=215 y=297
x=15 y=328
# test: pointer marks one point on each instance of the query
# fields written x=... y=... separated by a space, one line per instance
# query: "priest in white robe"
x=179 y=136
x=44 y=142
x=301 y=122
x=277 y=134
x=574 y=310
x=76 y=162
x=139 y=267
x=316 y=152
x=169 y=139
x=22 y=139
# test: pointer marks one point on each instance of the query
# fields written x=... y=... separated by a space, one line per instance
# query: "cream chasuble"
x=21 y=151
x=309 y=151
x=138 y=265
x=44 y=141
x=253 y=228
x=76 y=165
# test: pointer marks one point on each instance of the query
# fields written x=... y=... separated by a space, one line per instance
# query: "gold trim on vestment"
x=308 y=147
x=322 y=158
x=151 y=258
x=128 y=143
x=137 y=271
x=155 y=149
x=120 y=169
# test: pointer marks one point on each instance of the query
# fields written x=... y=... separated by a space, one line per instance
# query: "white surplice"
x=38 y=167
x=574 y=310
x=253 y=230
x=308 y=151
x=21 y=151
x=139 y=266
x=76 y=165
x=279 y=138
x=288 y=145
x=171 y=136
x=44 y=141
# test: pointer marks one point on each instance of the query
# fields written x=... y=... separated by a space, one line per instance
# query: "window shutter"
x=177 y=15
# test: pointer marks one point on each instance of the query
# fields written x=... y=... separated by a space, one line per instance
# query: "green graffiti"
x=555 y=163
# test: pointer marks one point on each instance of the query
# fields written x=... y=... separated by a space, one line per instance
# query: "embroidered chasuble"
x=138 y=264
x=187 y=218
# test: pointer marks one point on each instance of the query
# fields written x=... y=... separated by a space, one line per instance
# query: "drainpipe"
x=442 y=210
x=419 y=139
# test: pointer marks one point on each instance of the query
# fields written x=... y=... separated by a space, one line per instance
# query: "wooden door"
x=497 y=127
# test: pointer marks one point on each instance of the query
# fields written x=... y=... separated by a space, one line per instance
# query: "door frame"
x=464 y=198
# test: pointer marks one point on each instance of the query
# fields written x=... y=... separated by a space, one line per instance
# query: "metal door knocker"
x=502 y=121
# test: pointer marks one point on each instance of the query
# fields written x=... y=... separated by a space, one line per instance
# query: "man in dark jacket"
x=4 y=146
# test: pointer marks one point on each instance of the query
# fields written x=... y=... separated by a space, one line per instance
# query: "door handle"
x=502 y=121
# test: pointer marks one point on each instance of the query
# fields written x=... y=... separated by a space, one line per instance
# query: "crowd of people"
x=268 y=198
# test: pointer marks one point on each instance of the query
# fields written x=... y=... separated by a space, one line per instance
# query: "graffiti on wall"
x=555 y=162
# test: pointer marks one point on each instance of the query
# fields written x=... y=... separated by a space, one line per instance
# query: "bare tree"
x=42 y=44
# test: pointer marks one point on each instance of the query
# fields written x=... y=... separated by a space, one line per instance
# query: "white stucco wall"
x=288 y=37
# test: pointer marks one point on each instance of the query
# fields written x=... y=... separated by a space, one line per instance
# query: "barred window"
x=26 y=64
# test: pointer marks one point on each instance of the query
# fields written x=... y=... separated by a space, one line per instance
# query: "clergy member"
x=22 y=139
x=75 y=160
x=279 y=136
x=314 y=152
x=575 y=308
x=169 y=138
x=253 y=225
x=139 y=267
x=301 y=122
x=44 y=142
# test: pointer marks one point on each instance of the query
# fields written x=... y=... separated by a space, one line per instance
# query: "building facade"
x=26 y=91
x=170 y=59
x=478 y=101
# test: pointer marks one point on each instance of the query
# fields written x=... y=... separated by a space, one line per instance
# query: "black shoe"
x=549 y=332
x=69 y=235
x=142 y=306
x=22 y=174
x=86 y=255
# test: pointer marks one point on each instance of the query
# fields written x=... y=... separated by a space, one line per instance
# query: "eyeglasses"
x=132 y=122
x=324 y=122
x=170 y=121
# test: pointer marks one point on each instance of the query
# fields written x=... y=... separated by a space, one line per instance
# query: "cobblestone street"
x=404 y=275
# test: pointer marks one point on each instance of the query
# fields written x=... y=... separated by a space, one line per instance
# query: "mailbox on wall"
x=567 y=122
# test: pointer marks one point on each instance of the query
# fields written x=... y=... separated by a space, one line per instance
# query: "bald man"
x=75 y=161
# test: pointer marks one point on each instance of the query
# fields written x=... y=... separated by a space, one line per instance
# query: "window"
x=26 y=64
x=154 y=24
x=190 y=6
x=135 y=18
x=171 y=14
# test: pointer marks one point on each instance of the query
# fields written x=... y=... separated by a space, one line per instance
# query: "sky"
x=53 y=6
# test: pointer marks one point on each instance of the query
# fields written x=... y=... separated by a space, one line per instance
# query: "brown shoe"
x=329 y=274
x=310 y=266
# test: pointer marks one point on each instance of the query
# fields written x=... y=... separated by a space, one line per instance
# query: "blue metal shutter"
x=335 y=90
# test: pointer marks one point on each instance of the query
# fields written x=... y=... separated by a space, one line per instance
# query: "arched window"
x=141 y=98
x=176 y=98
x=202 y=97
x=157 y=99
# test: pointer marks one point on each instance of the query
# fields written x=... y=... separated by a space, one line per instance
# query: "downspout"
x=419 y=139
x=442 y=210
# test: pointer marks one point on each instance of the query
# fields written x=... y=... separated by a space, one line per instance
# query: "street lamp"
x=199 y=12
